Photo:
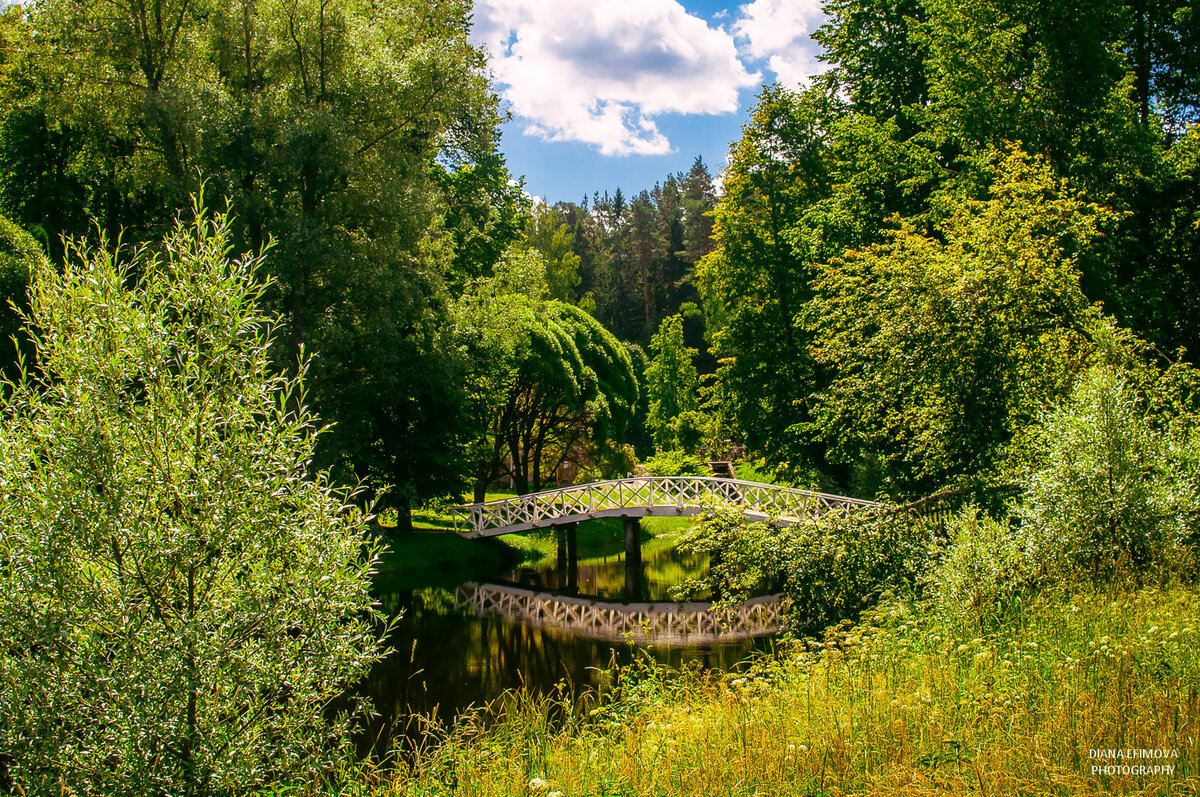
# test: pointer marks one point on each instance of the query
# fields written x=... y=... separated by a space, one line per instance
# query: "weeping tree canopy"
x=547 y=378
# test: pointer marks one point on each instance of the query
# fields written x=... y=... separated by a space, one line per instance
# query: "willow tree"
x=547 y=378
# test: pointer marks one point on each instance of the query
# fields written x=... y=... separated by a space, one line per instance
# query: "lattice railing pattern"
x=642 y=623
x=643 y=496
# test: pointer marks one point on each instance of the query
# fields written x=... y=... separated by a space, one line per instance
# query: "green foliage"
x=831 y=569
x=984 y=569
x=1113 y=494
x=546 y=381
x=638 y=254
x=359 y=137
x=180 y=601
x=671 y=380
x=614 y=461
x=676 y=463
x=689 y=430
x=943 y=345
x=755 y=283
x=20 y=256
x=546 y=231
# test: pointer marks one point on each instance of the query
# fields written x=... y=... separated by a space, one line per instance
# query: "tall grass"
x=900 y=704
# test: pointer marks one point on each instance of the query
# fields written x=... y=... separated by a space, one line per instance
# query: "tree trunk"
x=403 y=517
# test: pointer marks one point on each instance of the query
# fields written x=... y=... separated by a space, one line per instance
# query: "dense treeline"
x=911 y=257
x=921 y=251
x=359 y=144
x=358 y=141
x=632 y=261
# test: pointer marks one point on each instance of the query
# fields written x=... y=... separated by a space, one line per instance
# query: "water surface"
x=536 y=626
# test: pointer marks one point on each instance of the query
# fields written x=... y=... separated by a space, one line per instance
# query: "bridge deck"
x=645 y=497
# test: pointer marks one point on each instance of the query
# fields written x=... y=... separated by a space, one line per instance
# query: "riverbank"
x=1093 y=693
x=434 y=555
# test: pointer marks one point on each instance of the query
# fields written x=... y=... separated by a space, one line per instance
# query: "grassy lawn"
x=435 y=555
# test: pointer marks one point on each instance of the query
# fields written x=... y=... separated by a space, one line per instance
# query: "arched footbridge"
x=651 y=496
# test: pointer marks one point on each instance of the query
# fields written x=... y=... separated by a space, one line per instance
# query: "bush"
x=983 y=569
x=1110 y=494
x=831 y=570
x=179 y=601
x=689 y=429
x=676 y=463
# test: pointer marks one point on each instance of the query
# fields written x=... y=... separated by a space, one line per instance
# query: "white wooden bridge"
x=640 y=623
x=645 y=497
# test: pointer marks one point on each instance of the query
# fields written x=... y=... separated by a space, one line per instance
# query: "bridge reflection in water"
x=638 y=623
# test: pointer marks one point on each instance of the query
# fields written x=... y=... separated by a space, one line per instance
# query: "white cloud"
x=578 y=70
x=777 y=31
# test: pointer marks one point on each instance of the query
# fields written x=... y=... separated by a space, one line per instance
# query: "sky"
x=620 y=93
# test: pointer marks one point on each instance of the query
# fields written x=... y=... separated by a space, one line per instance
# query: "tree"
x=942 y=345
x=878 y=56
x=756 y=282
x=546 y=377
x=546 y=231
x=360 y=137
x=671 y=380
x=1110 y=494
x=699 y=198
x=20 y=257
x=179 y=600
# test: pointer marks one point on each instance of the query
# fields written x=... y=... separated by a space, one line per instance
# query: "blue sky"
x=623 y=92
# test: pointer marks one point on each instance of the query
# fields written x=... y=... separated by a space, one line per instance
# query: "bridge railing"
x=681 y=495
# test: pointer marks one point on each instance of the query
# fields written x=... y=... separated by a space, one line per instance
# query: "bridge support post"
x=572 y=556
x=561 y=533
x=633 y=558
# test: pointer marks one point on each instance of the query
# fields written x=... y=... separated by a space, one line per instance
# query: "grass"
x=901 y=704
x=599 y=538
x=433 y=554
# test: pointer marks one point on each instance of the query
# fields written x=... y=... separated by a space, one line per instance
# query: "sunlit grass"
x=434 y=554
x=597 y=539
x=900 y=704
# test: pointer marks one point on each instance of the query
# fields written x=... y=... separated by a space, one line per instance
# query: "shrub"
x=831 y=569
x=983 y=569
x=676 y=463
x=179 y=601
x=1110 y=494
x=689 y=429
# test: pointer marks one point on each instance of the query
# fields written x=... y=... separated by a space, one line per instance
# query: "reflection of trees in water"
x=606 y=578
